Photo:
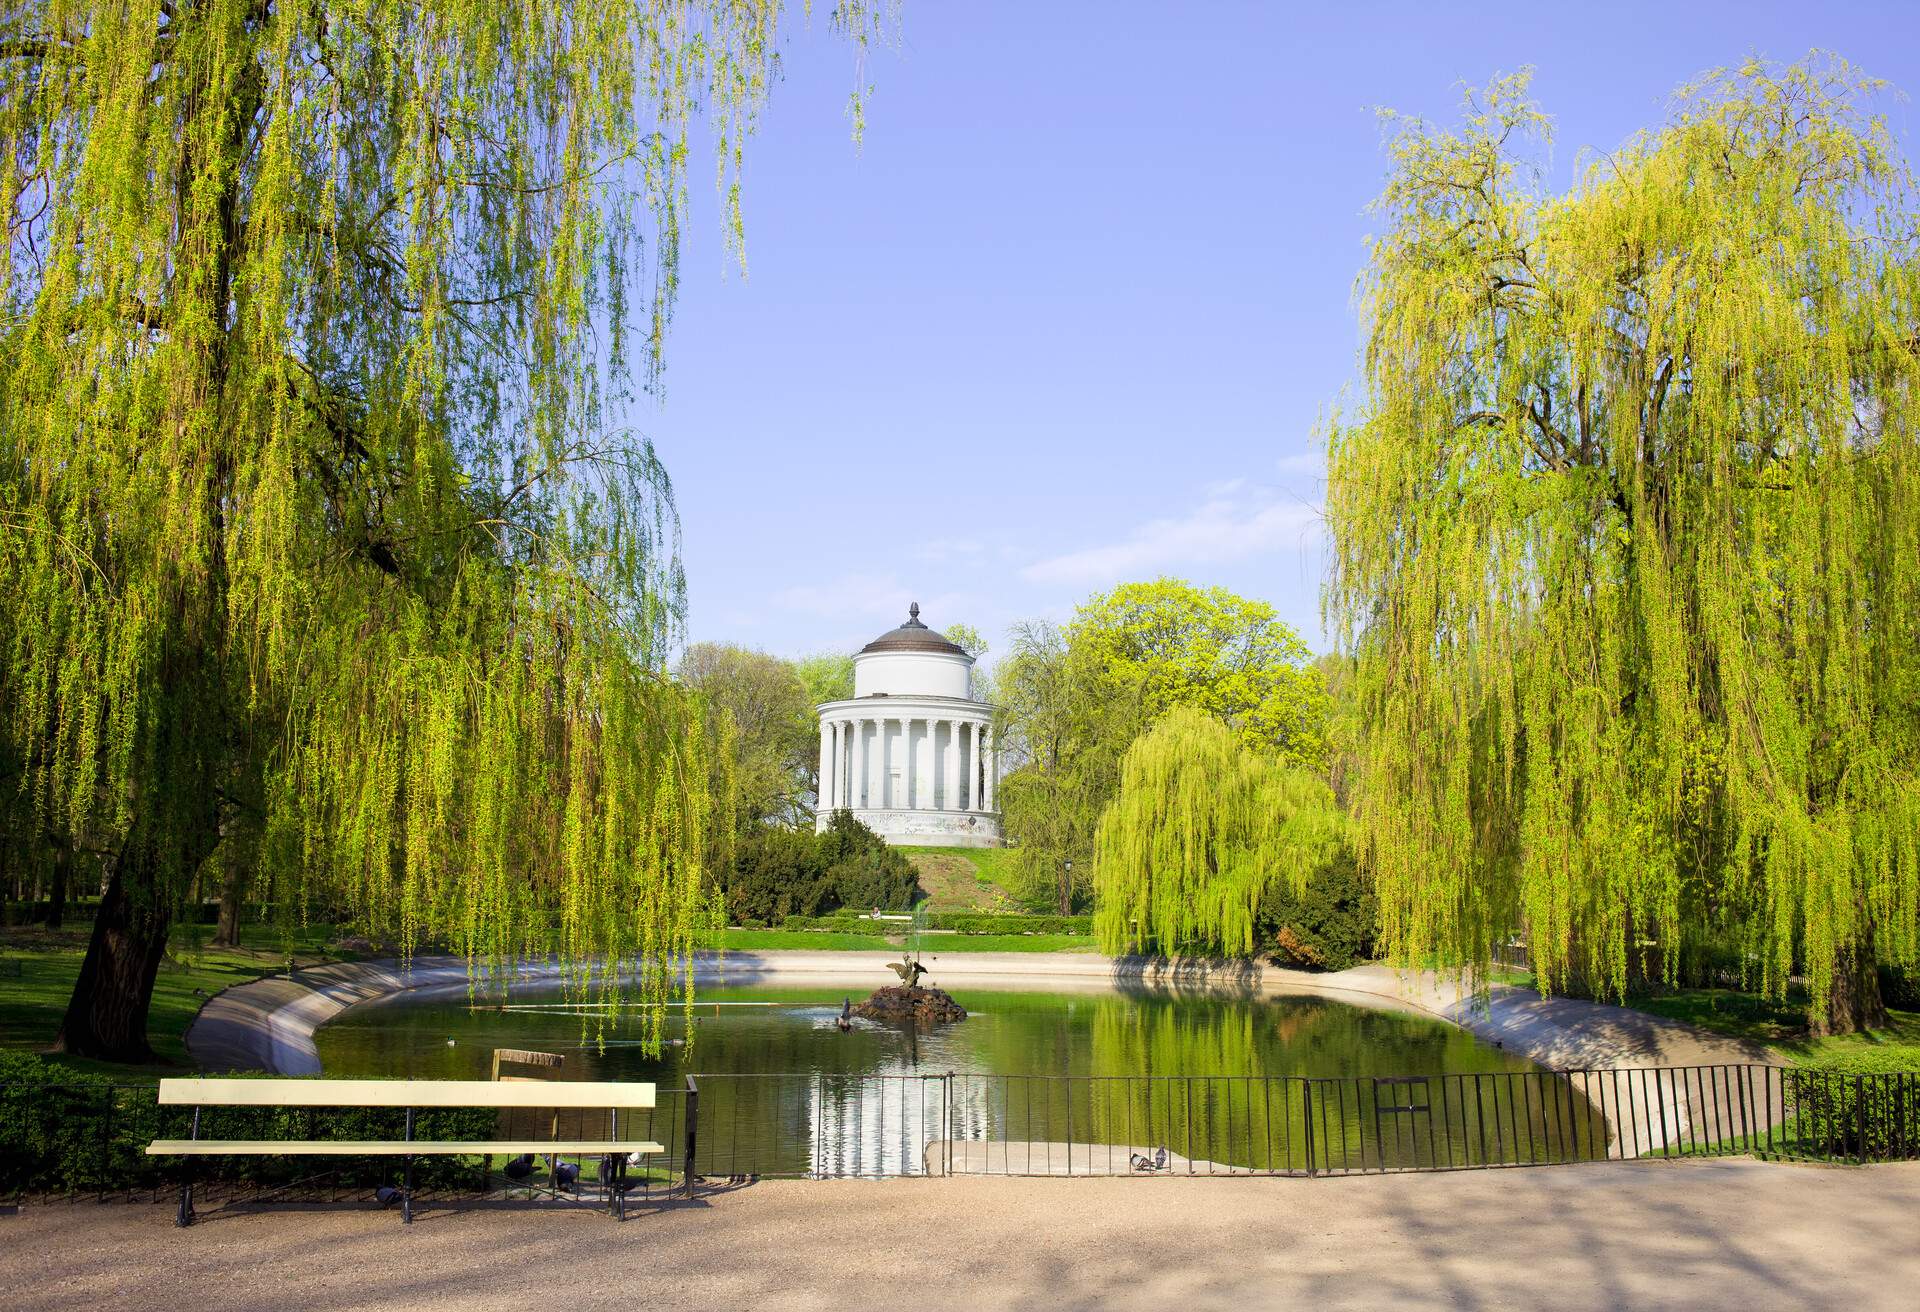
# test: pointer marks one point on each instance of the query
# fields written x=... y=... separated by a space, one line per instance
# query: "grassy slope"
x=963 y=878
x=32 y=1005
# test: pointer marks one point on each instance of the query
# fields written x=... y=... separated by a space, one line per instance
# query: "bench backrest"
x=403 y=1093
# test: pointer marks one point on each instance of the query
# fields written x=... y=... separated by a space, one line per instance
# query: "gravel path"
x=1730 y=1234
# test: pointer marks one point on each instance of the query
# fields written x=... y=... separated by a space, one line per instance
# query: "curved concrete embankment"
x=269 y=1024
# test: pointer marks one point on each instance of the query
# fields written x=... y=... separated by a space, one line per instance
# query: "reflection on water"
x=786 y=1092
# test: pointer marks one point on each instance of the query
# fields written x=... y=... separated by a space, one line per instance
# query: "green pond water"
x=782 y=1090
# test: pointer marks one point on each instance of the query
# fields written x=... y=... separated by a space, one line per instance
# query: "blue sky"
x=1076 y=310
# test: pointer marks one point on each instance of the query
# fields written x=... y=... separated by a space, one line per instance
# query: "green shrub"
x=65 y=1131
x=960 y=922
x=1900 y=987
x=1860 y=1114
x=1330 y=926
x=783 y=873
x=990 y=922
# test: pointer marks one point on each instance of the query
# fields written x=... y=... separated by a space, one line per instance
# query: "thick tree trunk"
x=107 y=1015
x=1854 y=1004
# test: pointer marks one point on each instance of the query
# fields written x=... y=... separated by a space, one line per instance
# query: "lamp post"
x=1066 y=888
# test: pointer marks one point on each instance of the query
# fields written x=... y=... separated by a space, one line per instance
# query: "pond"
x=1221 y=1080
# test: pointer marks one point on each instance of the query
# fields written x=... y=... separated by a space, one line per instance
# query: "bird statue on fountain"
x=910 y=1000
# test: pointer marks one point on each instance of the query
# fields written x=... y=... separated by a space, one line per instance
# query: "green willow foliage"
x=1627 y=538
x=1199 y=828
x=310 y=517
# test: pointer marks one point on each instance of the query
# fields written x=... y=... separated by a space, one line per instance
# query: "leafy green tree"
x=774 y=739
x=1200 y=829
x=311 y=316
x=1168 y=643
x=828 y=676
x=1074 y=699
x=1627 y=540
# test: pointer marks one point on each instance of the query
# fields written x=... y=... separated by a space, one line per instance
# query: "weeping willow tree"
x=313 y=525
x=1627 y=542
x=1199 y=828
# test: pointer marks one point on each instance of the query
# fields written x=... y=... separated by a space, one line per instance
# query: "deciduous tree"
x=775 y=733
x=1627 y=539
x=311 y=315
x=1199 y=830
x=1073 y=700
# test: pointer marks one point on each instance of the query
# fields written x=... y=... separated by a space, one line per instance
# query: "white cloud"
x=1302 y=462
x=1234 y=522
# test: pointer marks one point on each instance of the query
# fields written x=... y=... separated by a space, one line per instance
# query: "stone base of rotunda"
x=904 y=828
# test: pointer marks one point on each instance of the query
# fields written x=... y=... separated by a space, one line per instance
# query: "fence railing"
x=823 y=1125
x=89 y=1140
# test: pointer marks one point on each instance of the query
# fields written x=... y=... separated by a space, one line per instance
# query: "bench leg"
x=185 y=1216
x=406 y=1196
x=620 y=1188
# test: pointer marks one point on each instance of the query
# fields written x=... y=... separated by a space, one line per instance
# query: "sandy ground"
x=1730 y=1234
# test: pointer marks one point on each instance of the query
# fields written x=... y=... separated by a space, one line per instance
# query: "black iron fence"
x=822 y=1125
x=88 y=1141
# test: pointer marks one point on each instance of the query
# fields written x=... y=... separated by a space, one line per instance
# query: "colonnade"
x=858 y=756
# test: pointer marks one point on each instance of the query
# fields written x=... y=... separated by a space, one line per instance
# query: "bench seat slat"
x=406 y=1093
x=395 y=1147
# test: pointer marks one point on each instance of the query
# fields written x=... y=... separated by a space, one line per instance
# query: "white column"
x=857 y=793
x=968 y=763
x=950 y=769
x=839 y=764
x=913 y=762
x=885 y=776
x=987 y=787
x=823 y=791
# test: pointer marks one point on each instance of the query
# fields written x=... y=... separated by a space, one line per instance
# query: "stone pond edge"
x=269 y=1024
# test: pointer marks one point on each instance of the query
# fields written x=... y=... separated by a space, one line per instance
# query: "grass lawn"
x=818 y=940
x=32 y=1005
x=827 y=940
x=1782 y=1025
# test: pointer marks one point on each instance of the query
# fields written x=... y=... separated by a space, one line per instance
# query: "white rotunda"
x=911 y=753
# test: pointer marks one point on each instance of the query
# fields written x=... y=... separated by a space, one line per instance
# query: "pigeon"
x=566 y=1174
x=519 y=1168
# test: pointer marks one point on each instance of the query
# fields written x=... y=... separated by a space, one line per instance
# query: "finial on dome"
x=913 y=613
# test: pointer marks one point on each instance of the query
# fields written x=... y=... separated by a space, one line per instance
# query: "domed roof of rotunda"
x=914 y=636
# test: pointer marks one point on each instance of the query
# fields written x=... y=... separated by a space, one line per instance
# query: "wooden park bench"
x=411 y=1095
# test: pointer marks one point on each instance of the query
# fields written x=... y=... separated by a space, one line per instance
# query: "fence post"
x=1189 y=1125
x=1860 y=1117
x=1306 y=1108
x=691 y=1132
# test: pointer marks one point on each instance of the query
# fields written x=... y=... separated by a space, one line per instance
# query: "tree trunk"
x=1854 y=1003
x=107 y=1015
x=232 y=892
x=58 y=883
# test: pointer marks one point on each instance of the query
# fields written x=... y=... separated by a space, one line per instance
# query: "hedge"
x=961 y=922
x=65 y=1131
x=1870 y=1117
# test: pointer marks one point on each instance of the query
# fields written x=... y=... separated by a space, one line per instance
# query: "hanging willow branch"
x=311 y=316
x=1627 y=539
x=1199 y=828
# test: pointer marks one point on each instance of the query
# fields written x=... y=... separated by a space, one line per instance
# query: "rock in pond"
x=933 y=1006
